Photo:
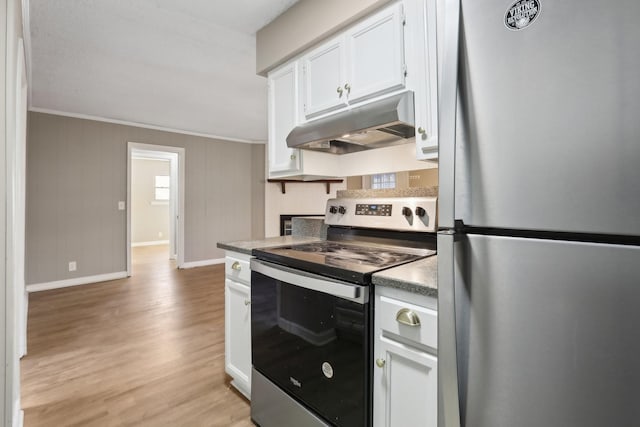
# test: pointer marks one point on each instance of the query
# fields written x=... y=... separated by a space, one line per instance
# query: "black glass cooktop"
x=353 y=262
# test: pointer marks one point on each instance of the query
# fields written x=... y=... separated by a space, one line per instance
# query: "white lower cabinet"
x=237 y=321
x=405 y=380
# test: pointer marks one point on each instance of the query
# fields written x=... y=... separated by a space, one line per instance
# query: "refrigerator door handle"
x=447 y=109
x=448 y=397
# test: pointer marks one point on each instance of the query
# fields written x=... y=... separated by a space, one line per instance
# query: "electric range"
x=312 y=311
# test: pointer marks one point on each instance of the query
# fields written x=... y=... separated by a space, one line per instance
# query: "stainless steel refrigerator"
x=539 y=213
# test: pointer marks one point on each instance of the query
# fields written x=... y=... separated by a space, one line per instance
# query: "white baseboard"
x=76 y=281
x=150 y=243
x=202 y=263
x=18 y=414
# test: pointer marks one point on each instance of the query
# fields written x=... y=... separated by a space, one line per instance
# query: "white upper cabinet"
x=422 y=59
x=376 y=53
x=283 y=114
x=390 y=51
x=365 y=61
x=323 y=70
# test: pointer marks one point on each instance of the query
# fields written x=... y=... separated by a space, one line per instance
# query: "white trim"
x=37 y=287
x=18 y=414
x=150 y=243
x=144 y=125
x=17 y=182
x=23 y=350
x=26 y=35
x=202 y=263
x=150 y=155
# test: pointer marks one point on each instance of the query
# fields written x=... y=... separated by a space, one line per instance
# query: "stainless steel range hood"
x=389 y=121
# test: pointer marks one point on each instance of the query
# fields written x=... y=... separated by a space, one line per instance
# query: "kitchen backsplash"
x=389 y=192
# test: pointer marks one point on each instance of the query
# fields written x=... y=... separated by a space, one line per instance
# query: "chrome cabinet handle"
x=236 y=266
x=380 y=363
x=407 y=317
x=347 y=87
x=339 y=90
x=247 y=302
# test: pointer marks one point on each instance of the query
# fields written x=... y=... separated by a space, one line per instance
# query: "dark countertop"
x=246 y=246
x=420 y=277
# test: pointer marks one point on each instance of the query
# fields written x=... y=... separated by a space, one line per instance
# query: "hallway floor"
x=143 y=351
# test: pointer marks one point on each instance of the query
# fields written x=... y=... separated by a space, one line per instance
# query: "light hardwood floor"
x=142 y=351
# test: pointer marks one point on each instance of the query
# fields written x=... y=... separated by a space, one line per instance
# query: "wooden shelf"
x=284 y=182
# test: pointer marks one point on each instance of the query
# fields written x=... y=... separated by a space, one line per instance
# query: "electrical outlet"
x=72 y=266
x=121 y=205
x=159 y=233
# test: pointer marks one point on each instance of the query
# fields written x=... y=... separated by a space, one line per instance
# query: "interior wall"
x=354 y=182
x=310 y=21
x=149 y=218
x=77 y=173
x=258 y=166
x=423 y=178
x=300 y=198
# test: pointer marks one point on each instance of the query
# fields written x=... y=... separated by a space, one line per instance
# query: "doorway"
x=167 y=192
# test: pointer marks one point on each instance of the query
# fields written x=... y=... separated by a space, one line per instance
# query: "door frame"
x=16 y=209
x=176 y=200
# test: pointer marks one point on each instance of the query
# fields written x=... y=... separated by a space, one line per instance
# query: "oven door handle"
x=348 y=291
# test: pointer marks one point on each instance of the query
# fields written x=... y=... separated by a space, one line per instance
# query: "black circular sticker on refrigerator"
x=521 y=14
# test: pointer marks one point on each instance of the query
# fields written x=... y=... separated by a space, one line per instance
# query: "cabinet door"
x=376 y=54
x=405 y=387
x=323 y=78
x=238 y=335
x=283 y=112
x=424 y=52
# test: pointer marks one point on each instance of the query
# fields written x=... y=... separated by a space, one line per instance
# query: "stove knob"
x=420 y=211
x=406 y=211
x=342 y=210
x=333 y=210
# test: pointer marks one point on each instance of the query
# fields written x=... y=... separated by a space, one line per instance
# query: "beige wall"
x=423 y=178
x=300 y=198
x=149 y=219
x=354 y=182
x=258 y=166
x=76 y=174
x=303 y=25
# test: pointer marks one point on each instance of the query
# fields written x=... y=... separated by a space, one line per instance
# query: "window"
x=162 y=187
x=383 y=180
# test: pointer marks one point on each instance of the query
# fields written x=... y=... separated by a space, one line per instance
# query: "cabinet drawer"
x=425 y=332
x=237 y=269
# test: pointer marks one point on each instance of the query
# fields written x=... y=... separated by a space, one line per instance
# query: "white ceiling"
x=182 y=65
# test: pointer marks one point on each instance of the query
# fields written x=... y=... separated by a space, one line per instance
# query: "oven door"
x=311 y=336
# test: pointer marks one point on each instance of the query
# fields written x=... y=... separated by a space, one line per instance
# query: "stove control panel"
x=391 y=213
x=373 y=209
